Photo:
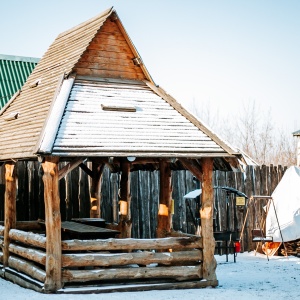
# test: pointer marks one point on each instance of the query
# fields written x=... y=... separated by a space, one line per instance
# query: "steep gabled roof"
x=19 y=138
x=72 y=103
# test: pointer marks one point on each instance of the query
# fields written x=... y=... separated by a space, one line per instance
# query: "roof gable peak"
x=111 y=54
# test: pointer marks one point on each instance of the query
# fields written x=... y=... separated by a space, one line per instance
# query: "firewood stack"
x=292 y=248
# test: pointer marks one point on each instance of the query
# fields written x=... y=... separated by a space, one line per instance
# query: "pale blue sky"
x=225 y=52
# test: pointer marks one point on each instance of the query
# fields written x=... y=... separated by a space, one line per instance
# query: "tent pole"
x=279 y=228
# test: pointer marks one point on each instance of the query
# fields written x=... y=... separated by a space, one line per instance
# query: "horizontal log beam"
x=178 y=273
x=30 y=254
x=179 y=243
x=28 y=238
x=140 y=258
x=26 y=267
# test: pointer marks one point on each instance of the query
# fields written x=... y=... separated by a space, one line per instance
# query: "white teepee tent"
x=286 y=199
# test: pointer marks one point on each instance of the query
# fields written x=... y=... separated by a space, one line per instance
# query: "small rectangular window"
x=118 y=108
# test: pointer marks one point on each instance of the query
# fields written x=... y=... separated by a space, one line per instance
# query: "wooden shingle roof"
x=73 y=103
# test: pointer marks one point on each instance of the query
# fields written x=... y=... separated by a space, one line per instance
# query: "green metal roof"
x=14 y=71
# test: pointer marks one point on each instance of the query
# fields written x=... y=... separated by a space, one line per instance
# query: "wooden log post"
x=164 y=220
x=53 y=279
x=206 y=214
x=10 y=207
x=125 y=222
x=97 y=170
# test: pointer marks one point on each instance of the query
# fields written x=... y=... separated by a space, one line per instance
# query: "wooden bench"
x=98 y=222
x=74 y=230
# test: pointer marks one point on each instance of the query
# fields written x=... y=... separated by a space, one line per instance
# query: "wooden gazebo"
x=91 y=99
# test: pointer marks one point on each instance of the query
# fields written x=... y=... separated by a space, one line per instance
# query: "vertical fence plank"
x=154 y=202
x=247 y=241
x=191 y=184
x=63 y=193
x=241 y=210
x=145 y=183
x=114 y=191
x=22 y=192
x=84 y=195
x=40 y=192
x=230 y=182
x=135 y=205
x=32 y=203
x=179 y=190
x=106 y=200
x=220 y=196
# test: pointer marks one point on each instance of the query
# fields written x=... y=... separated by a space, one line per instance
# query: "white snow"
x=251 y=277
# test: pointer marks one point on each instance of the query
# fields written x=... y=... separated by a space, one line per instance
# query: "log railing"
x=24 y=255
x=174 y=258
x=166 y=258
x=140 y=258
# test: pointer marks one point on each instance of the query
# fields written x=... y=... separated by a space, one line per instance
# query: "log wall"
x=27 y=253
x=176 y=258
x=110 y=260
x=75 y=197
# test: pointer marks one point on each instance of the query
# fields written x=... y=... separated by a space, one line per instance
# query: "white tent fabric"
x=286 y=199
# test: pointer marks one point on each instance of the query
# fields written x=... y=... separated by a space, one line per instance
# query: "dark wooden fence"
x=75 y=198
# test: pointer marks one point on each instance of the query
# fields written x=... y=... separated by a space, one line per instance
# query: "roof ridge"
x=102 y=15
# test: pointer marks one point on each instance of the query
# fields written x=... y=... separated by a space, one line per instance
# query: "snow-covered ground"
x=251 y=277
